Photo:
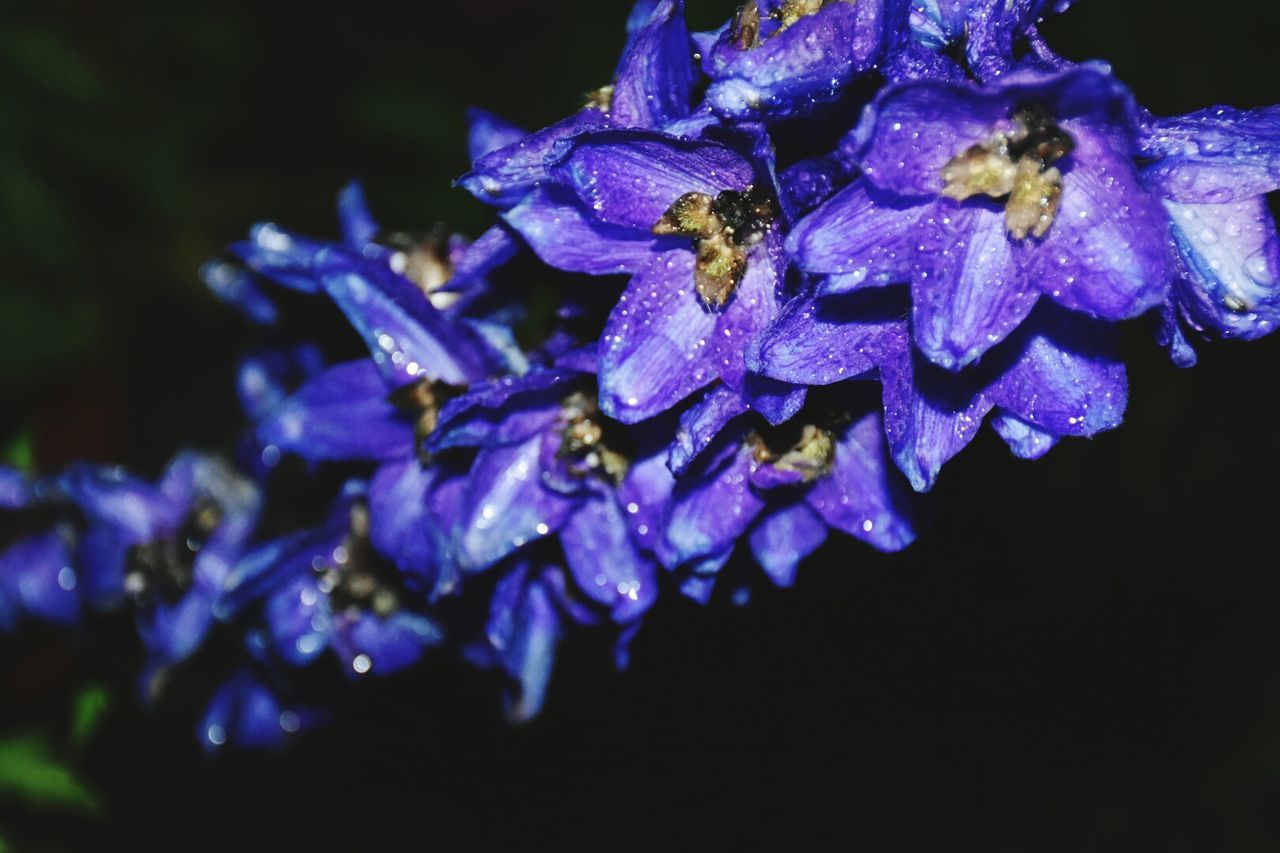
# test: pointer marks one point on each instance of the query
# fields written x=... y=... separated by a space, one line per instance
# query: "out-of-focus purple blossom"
x=38 y=576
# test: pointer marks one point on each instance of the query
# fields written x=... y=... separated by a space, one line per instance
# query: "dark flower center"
x=592 y=445
x=422 y=401
x=798 y=448
x=356 y=580
x=1016 y=166
x=747 y=32
x=722 y=229
x=165 y=568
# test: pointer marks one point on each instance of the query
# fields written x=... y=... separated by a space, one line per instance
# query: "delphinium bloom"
x=986 y=198
x=38 y=577
x=1058 y=375
x=1212 y=171
x=328 y=590
x=778 y=58
x=779 y=487
x=988 y=29
x=165 y=548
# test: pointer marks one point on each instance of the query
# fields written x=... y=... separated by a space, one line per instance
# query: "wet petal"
x=506 y=175
x=605 y=562
x=864 y=495
x=862 y=233
x=1107 y=250
x=969 y=292
x=400 y=526
x=388 y=644
x=1025 y=440
x=505 y=506
x=1068 y=378
x=566 y=236
x=37 y=577
x=930 y=415
x=343 y=413
x=1231 y=255
x=487 y=132
x=710 y=510
x=822 y=341
x=701 y=423
x=631 y=177
x=654 y=81
x=785 y=536
x=1214 y=156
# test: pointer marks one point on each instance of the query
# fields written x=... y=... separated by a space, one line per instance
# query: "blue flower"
x=38 y=575
x=987 y=198
x=167 y=548
x=1058 y=375
x=1212 y=170
x=328 y=590
x=780 y=58
x=780 y=487
x=250 y=711
x=988 y=29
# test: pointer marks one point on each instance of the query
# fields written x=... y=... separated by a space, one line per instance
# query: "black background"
x=1077 y=654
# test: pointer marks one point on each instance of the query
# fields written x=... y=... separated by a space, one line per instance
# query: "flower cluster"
x=760 y=288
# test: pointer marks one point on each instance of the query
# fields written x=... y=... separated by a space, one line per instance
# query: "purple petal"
x=631 y=177
x=566 y=236
x=344 y=413
x=487 y=132
x=929 y=415
x=861 y=233
x=1231 y=255
x=299 y=620
x=506 y=506
x=408 y=337
x=401 y=527
x=490 y=250
x=524 y=629
x=777 y=402
x=605 y=562
x=785 y=536
x=37 y=578
x=808 y=63
x=661 y=344
x=969 y=292
x=864 y=495
x=504 y=411
x=710 y=509
x=1025 y=440
x=358 y=226
x=701 y=423
x=645 y=493
x=1107 y=250
x=1214 y=156
x=819 y=342
x=504 y=176
x=1068 y=379
x=389 y=644
x=654 y=81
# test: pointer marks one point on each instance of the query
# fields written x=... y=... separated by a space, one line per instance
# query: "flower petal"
x=1107 y=251
x=1231 y=255
x=566 y=236
x=785 y=536
x=487 y=132
x=654 y=80
x=1214 y=156
x=1025 y=440
x=631 y=177
x=822 y=341
x=605 y=562
x=864 y=495
x=861 y=232
x=969 y=292
x=505 y=506
x=343 y=413
x=710 y=510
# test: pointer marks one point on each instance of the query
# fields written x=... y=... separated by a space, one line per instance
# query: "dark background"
x=1078 y=654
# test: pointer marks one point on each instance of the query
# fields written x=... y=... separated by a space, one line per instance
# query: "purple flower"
x=779 y=487
x=167 y=547
x=328 y=590
x=694 y=223
x=38 y=576
x=1212 y=170
x=987 y=28
x=987 y=198
x=250 y=711
x=1058 y=375
x=779 y=58
x=548 y=463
